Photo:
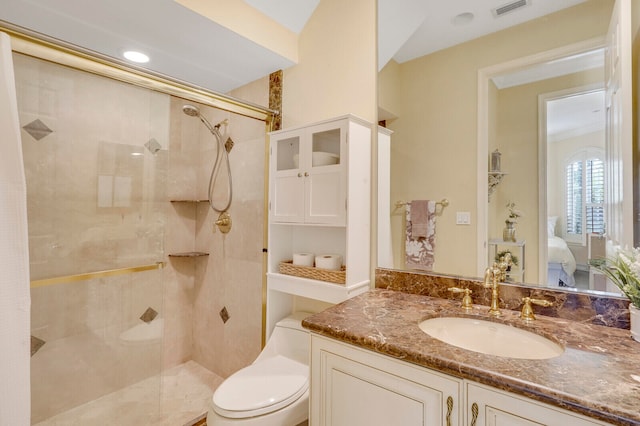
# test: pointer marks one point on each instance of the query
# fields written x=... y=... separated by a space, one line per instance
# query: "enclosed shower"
x=140 y=306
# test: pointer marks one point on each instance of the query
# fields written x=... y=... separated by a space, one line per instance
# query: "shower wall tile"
x=178 y=311
x=184 y=130
x=227 y=347
x=248 y=163
x=232 y=275
x=62 y=169
x=180 y=236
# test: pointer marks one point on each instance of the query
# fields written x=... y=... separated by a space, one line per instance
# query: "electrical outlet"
x=463 y=218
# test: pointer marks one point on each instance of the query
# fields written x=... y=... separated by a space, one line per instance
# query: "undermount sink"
x=491 y=338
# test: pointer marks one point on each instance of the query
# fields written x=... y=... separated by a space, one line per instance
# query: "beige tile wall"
x=97 y=123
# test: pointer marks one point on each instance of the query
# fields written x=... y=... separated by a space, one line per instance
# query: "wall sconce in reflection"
x=495 y=161
x=495 y=174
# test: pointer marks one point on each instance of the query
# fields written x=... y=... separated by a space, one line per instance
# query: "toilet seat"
x=261 y=388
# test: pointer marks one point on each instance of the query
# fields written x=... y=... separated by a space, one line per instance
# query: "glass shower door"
x=96 y=158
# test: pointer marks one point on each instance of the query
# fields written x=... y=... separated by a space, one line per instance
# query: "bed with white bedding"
x=561 y=262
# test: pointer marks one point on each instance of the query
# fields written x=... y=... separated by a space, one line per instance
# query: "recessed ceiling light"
x=134 y=56
x=463 y=18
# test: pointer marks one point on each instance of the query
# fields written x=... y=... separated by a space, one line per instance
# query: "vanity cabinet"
x=319 y=203
x=487 y=406
x=357 y=387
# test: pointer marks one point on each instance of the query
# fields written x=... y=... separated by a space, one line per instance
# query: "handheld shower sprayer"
x=221 y=154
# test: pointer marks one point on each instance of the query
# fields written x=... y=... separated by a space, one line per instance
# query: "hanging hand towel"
x=15 y=408
x=419 y=213
x=419 y=250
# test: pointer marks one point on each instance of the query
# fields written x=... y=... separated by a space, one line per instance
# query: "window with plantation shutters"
x=584 y=196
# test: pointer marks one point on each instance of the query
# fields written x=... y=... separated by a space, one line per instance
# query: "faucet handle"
x=467 y=302
x=527 y=310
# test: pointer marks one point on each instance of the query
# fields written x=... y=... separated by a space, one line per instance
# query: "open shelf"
x=314 y=289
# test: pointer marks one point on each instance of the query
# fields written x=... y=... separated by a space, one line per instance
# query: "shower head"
x=191 y=111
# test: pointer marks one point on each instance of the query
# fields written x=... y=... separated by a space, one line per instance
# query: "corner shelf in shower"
x=189 y=254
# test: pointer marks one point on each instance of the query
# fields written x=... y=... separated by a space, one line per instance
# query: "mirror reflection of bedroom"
x=553 y=112
x=575 y=140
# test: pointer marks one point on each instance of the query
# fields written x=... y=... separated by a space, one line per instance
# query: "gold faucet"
x=467 y=302
x=527 y=309
x=491 y=278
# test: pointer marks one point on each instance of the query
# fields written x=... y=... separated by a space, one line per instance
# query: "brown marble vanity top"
x=598 y=374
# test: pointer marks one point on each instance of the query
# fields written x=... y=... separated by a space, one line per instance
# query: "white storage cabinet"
x=320 y=203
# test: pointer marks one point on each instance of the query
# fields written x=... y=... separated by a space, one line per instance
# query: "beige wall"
x=336 y=72
x=389 y=90
x=434 y=144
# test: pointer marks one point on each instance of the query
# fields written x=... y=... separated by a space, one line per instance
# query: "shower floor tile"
x=184 y=397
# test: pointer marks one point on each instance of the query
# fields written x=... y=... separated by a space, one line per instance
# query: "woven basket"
x=337 y=277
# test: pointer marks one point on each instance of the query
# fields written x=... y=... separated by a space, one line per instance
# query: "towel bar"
x=443 y=203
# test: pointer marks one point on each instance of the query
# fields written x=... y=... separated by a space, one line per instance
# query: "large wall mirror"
x=531 y=96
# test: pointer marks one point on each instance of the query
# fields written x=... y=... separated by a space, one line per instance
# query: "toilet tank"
x=289 y=339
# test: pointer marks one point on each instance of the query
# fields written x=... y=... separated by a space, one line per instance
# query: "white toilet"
x=274 y=390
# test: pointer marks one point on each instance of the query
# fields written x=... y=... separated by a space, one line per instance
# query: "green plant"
x=514 y=259
x=514 y=213
x=624 y=271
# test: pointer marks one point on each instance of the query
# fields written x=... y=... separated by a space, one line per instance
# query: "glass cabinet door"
x=325 y=147
x=288 y=154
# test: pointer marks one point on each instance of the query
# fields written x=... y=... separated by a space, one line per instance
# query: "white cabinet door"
x=491 y=407
x=353 y=387
x=287 y=182
x=326 y=183
x=309 y=175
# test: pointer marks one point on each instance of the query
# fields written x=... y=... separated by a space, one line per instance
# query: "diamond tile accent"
x=228 y=145
x=224 y=314
x=153 y=145
x=37 y=129
x=148 y=315
x=36 y=344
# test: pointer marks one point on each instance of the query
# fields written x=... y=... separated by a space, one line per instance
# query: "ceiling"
x=190 y=47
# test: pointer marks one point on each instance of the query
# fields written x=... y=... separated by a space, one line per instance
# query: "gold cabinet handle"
x=299 y=174
x=449 y=409
x=306 y=173
x=474 y=414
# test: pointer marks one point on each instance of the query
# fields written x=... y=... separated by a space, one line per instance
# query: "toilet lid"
x=261 y=388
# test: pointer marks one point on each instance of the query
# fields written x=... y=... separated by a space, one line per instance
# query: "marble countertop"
x=598 y=374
